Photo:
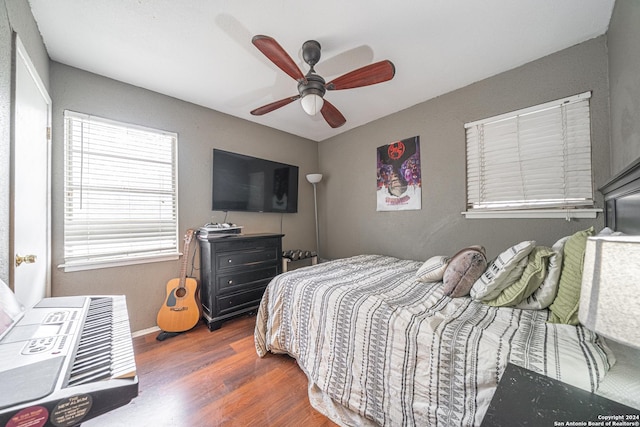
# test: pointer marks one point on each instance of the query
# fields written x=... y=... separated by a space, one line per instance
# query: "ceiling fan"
x=312 y=87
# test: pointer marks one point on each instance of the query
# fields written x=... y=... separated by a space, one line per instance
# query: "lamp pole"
x=315 y=178
x=315 y=204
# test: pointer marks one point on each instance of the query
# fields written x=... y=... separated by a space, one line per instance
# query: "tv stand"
x=234 y=272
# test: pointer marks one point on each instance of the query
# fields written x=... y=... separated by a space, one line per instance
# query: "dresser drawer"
x=236 y=258
x=239 y=300
x=245 y=278
x=235 y=244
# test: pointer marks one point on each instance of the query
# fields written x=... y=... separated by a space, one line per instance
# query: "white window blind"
x=120 y=203
x=539 y=157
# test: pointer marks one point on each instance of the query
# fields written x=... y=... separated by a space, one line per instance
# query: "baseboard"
x=145 y=331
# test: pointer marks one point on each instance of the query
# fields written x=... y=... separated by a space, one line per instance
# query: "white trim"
x=535 y=108
x=567 y=214
x=23 y=55
x=22 y=51
x=92 y=265
x=124 y=249
x=521 y=161
x=100 y=120
x=143 y=332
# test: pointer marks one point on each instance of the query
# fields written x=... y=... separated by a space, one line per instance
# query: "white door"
x=30 y=191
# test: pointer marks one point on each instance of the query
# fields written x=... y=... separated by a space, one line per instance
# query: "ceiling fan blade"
x=365 y=76
x=332 y=115
x=274 y=106
x=272 y=50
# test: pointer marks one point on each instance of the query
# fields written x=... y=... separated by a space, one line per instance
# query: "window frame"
x=166 y=251
x=567 y=211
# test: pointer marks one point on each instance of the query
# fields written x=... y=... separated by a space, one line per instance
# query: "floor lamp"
x=315 y=178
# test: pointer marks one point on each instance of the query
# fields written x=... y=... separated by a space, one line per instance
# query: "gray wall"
x=624 y=69
x=349 y=221
x=348 y=199
x=199 y=131
x=15 y=16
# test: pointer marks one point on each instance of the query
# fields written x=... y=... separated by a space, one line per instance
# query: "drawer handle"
x=229 y=261
x=230 y=282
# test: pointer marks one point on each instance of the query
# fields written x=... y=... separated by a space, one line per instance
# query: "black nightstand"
x=526 y=398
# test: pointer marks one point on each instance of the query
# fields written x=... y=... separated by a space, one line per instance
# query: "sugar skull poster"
x=399 y=177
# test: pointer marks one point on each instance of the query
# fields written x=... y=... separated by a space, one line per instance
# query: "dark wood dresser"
x=234 y=272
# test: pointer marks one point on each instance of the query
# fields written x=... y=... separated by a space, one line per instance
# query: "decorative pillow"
x=609 y=232
x=546 y=293
x=433 y=269
x=463 y=270
x=530 y=280
x=565 y=307
x=502 y=271
x=605 y=232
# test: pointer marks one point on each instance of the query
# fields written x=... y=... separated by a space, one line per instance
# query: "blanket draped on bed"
x=395 y=351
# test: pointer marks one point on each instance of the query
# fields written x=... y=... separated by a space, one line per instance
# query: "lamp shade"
x=312 y=104
x=610 y=292
x=314 y=178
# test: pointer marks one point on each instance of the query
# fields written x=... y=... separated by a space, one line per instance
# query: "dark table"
x=526 y=398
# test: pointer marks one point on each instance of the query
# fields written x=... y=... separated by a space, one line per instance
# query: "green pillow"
x=565 y=307
x=531 y=279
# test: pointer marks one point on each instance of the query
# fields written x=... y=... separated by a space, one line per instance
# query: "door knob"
x=27 y=259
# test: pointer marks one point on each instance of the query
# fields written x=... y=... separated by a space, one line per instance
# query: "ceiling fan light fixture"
x=312 y=87
x=312 y=103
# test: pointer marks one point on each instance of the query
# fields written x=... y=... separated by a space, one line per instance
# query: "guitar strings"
x=193 y=262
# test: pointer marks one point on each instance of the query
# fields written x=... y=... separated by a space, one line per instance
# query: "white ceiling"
x=200 y=50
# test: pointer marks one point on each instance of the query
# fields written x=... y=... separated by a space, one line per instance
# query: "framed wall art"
x=399 y=177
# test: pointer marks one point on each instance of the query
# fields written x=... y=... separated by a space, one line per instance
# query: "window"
x=120 y=200
x=534 y=162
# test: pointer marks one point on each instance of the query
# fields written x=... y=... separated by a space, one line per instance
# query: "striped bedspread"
x=381 y=348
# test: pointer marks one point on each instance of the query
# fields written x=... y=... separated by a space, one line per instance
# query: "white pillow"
x=609 y=232
x=433 y=269
x=605 y=232
x=546 y=293
x=504 y=271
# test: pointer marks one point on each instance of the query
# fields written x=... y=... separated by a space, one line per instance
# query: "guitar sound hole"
x=181 y=292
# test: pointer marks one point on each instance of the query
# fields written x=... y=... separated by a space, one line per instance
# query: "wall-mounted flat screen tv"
x=249 y=184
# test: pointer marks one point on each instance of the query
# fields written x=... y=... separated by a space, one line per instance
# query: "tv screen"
x=249 y=184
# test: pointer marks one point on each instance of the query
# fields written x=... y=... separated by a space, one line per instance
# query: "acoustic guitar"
x=181 y=310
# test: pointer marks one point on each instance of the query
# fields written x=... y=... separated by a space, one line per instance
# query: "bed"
x=380 y=347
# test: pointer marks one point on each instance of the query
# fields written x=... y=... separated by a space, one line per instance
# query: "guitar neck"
x=185 y=258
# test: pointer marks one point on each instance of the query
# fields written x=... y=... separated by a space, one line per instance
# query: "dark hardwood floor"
x=203 y=378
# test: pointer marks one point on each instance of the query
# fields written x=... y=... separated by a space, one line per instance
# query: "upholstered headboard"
x=622 y=200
